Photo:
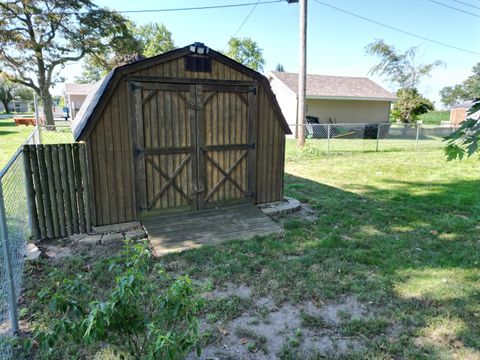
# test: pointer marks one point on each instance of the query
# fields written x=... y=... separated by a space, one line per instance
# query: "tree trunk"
x=47 y=107
x=5 y=105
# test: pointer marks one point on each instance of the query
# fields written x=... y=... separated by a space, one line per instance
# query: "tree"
x=410 y=105
x=24 y=93
x=467 y=90
x=401 y=69
x=247 y=52
x=465 y=140
x=146 y=41
x=38 y=37
x=6 y=93
x=93 y=70
x=154 y=39
x=279 y=68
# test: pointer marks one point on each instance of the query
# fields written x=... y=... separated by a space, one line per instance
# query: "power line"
x=467 y=4
x=175 y=9
x=454 y=8
x=397 y=29
x=246 y=18
x=200 y=7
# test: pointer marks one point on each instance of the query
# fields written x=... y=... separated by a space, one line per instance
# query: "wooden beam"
x=167 y=150
x=167 y=177
x=188 y=81
x=200 y=131
x=252 y=136
x=138 y=148
x=32 y=208
x=228 y=147
x=226 y=175
x=170 y=181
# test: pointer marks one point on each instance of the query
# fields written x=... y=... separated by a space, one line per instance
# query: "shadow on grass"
x=419 y=244
x=411 y=251
x=7 y=123
x=3 y=132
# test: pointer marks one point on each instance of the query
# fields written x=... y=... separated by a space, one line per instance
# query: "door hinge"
x=138 y=152
x=253 y=90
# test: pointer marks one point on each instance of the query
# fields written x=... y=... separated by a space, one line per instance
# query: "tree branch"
x=26 y=81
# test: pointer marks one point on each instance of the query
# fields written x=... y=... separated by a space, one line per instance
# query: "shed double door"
x=193 y=144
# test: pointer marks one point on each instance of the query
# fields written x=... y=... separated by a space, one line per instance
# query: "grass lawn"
x=11 y=137
x=435 y=117
x=388 y=269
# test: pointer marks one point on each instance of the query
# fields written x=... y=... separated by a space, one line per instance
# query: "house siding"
x=287 y=101
x=75 y=103
x=457 y=115
x=349 y=111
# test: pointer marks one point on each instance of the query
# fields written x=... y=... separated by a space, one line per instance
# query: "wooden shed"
x=188 y=129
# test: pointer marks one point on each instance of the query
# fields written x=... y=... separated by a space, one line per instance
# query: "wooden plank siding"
x=110 y=150
x=55 y=190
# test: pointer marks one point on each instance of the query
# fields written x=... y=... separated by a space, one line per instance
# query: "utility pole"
x=302 y=73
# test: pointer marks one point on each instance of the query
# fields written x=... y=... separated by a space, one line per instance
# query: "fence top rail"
x=56 y=125
x=340 y=124
x=393 y=125
x=10 y=162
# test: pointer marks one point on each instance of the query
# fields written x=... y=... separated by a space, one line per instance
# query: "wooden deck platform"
x=187 y=230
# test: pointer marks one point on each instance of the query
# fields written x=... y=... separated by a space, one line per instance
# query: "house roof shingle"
x=78 y=89
x=325 y=86
x=464 y=105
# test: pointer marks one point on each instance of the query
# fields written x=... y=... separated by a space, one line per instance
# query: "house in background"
x=16 y=106
x=75 y=95
x=333 y=99
x=458 y=113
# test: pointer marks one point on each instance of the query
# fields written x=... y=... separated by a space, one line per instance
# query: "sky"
x=335 y=40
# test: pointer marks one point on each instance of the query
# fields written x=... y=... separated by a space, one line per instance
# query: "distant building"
x=333 y=99
x=458 y=113
x=75 y=95
x=16 y=106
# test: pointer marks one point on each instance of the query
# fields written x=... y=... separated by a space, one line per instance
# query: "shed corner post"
x=86 y=169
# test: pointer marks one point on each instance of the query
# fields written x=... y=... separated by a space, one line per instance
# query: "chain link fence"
x=367 y=137
x=15 y=230
x=60 y=133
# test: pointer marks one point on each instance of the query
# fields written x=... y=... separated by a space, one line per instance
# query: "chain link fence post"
x=7 y=262
x=378 y=137
x=328 y=139
x=417 y=136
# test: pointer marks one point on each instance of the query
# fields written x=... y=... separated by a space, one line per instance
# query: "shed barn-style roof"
x=335 y=87
x=86 y=117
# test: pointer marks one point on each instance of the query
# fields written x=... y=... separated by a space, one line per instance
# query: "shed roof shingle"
x=335 y=86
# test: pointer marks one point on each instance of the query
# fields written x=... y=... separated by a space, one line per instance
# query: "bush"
x=139 y=316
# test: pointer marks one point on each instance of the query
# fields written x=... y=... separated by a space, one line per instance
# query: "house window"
x=198 y=63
